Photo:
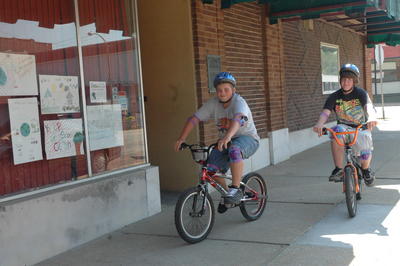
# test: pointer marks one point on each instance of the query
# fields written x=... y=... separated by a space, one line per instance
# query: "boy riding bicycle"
x=238 y=138
x=352 y=107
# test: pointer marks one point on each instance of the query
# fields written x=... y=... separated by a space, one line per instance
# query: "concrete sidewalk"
x=305 y=221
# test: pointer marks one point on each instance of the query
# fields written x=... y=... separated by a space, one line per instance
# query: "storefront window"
x=45 y=114
x=110 y=61
x=40 y=100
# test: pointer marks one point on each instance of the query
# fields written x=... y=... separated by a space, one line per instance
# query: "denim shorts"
x=219 y=160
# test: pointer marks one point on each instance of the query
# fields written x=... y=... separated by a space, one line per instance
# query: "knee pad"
x=235 y=155
x=338 y=129
x=364 y=155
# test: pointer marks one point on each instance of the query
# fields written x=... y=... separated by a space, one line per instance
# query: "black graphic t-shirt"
x=349 y=108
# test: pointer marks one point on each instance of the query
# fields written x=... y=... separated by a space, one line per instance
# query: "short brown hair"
x=349 y=74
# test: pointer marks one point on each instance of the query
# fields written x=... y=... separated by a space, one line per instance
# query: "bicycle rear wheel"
x=350 y=191
x=192 y=221
x=255 y=196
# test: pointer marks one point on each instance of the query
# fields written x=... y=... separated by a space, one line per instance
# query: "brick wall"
x=303 y=67
x=278 y=66
x=236 y=34
x=244 y=57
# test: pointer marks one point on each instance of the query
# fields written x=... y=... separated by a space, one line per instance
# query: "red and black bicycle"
x=195 y=211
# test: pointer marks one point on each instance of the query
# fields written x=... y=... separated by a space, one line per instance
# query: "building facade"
x=93 y=95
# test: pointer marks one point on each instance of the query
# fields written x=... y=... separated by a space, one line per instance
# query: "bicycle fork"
x=354 y=170
x=202 y=190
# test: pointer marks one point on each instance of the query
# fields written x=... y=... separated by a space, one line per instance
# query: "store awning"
x=378 y=19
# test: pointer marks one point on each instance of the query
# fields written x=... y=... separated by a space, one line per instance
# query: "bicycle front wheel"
x=350 y=191
x=255 y=196
x=194 y=221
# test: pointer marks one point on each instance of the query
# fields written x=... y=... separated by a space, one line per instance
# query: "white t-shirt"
x=223 y=117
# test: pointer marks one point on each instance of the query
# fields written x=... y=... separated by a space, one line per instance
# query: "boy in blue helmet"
x=353 y=107
x=235 y=126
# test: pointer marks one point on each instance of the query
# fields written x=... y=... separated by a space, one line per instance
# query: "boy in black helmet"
x=235 y=125
x=352 y=107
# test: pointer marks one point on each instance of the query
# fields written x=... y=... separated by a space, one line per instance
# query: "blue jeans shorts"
x=220 y=160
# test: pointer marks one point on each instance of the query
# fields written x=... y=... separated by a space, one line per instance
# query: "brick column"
x=208 y=39
x=275 y=93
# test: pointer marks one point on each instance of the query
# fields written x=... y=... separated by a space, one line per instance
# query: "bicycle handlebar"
x=335 y=134
x=185 y=146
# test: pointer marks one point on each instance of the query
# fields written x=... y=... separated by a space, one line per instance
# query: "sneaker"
x=369 y=177
x=234 y=196
x=358 y=196
x=221 y=206
x=336 y=175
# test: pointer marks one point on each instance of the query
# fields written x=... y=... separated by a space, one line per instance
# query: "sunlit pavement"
x=373 y=236
x=305 y=221
x=392 y=118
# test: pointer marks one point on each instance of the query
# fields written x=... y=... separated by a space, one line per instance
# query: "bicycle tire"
x=350 y=191
x=252 y=210
x=194 y=229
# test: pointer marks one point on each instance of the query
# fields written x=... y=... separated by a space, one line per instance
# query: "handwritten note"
x=63 y=138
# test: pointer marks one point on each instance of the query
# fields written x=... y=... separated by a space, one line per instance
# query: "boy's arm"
x=321 y=121
x=371 y=114
x=236 y=123
x=189 y=125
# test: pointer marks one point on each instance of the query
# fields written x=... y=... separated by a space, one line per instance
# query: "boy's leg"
x=364 y=147
x=337 y=154
x=241 y=148
x=237 y=172
x=365 y=163
x=218 y=162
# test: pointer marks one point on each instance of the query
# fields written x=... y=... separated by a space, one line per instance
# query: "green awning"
x=385 y=29
x=381 y=24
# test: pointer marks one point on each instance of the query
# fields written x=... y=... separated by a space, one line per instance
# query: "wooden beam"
x=362 y=16
x=384 y=28
x=380 y=33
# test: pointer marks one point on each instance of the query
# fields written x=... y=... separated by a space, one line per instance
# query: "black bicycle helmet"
x=224 y=77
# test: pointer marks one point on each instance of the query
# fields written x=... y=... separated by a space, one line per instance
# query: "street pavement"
x=305 y=221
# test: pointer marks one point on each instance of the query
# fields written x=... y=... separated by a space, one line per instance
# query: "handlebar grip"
x=183 y=146
x=324 y=131
x=364 y=126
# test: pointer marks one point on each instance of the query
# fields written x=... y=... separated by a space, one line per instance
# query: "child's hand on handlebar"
x=178 y=144
x=318 y=129
x=371 y=124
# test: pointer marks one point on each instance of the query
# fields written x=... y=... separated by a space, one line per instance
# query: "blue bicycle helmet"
x=350 y=68
x=224 y=77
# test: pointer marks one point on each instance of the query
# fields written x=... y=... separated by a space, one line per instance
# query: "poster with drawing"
x=105 y=126
x=63 y=138
x=59 y=94
x=17 y=75
x=25 y=130
x=98 y=91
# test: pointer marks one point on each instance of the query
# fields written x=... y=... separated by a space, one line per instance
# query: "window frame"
x=329 y=78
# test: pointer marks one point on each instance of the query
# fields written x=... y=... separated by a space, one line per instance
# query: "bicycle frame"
x=350 y=161
x=207 y=177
